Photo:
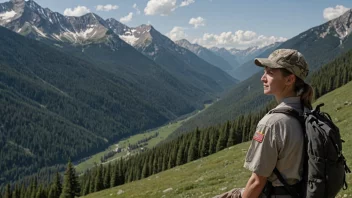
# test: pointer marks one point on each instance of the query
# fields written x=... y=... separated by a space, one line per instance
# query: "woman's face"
x=273 y=82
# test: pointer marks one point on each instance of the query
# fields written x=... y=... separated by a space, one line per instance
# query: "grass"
x=223 y=171
x=164 y=132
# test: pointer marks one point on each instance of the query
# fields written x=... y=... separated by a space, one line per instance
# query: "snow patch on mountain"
x=130 y=39
x=41 y=33
x=7 y=15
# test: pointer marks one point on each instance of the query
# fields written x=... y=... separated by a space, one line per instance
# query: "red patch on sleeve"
x=258 y=136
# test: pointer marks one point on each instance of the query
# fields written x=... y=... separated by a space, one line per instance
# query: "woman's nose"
x=263 y=78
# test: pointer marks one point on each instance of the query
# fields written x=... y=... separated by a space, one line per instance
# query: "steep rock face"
x=206 y=54
x=31 y=20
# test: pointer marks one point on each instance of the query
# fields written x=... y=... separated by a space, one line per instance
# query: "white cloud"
x=197 y=22
x=77 y=11
x=162 y=7
x=136 y=8
x=177 y=33
x=239 y=39
x=331 y=13
x=107 y=7
x=187 y=2
x=127 y=18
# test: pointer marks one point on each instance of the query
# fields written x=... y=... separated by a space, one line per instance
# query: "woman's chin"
x=266 y=92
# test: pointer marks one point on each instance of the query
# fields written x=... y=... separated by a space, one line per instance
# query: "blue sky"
x=223 y=23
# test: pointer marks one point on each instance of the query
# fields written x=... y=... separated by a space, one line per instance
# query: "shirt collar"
x=293 y=102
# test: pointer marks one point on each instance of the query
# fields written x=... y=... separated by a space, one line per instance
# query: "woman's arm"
x=254 y=186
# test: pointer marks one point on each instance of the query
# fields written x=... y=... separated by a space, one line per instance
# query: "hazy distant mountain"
x=206 y=54
x=251 y=52
x=225 y=54
x=247 y=56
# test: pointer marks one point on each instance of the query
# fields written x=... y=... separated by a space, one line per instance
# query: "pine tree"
x=70 y=187
x=107 y=176
x=23 y=191
x=8 y=193
x=113 y=179
x=56 y=187
x=205 y=144
x=232 y=138
x=86 y=187
x=99 y=185
x=144 y=169
x=40 y=192
x=193 y=148
x=16 y=192
x=223 y=137
x=33 y=188
x=180 y=154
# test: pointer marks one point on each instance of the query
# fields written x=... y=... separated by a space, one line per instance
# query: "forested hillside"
x=55 y=106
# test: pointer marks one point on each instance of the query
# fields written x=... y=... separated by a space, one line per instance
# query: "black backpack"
x=325 y=168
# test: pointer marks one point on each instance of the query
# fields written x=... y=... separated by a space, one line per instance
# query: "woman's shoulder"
x=271 y=119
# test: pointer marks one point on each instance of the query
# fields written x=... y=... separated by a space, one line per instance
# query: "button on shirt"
x=278 y=142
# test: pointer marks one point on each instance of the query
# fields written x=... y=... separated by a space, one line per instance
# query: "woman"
x=278 y=140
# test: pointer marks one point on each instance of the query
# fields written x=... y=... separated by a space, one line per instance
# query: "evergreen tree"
x=205 y=144
x=70 y=187
x=40 y=192
x=107 y=176
x=99 y=184
x=92 y=182
x=144 y=169
x=193 y=148
x=86 y=187
x=8 y=193
x=56 y=187
x=23 y=191
x=114 y=175
x=33 y=188
x=232 y=138
x=223 y=137
x=180 y=154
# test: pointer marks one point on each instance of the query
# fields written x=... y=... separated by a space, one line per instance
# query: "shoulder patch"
x=258 y=136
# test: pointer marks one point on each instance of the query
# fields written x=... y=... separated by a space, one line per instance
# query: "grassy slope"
x=222 y=171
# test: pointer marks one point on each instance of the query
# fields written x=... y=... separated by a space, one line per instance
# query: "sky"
x=221 y=23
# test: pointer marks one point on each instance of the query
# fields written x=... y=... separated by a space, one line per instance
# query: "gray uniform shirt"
x=278 y=142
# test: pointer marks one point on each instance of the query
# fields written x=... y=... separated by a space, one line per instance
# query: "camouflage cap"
x=289 y=59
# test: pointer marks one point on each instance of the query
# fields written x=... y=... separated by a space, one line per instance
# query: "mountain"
x=319 y=45
x=80 y=88
x=205 y=54
x=185 y=65
x=225 y=54
x=250 y=53
x=30 y=19
x=93 y=38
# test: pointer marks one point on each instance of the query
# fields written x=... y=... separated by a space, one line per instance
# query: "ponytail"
x=302 y=89
x=305 y=91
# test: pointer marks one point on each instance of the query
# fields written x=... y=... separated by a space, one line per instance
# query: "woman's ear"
x=291 y=79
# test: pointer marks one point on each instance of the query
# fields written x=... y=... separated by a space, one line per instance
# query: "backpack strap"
x=291 y=112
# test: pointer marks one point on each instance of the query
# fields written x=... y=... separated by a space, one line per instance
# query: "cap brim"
x=264 y=62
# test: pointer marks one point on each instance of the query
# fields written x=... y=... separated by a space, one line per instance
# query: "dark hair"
x=302 y=89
